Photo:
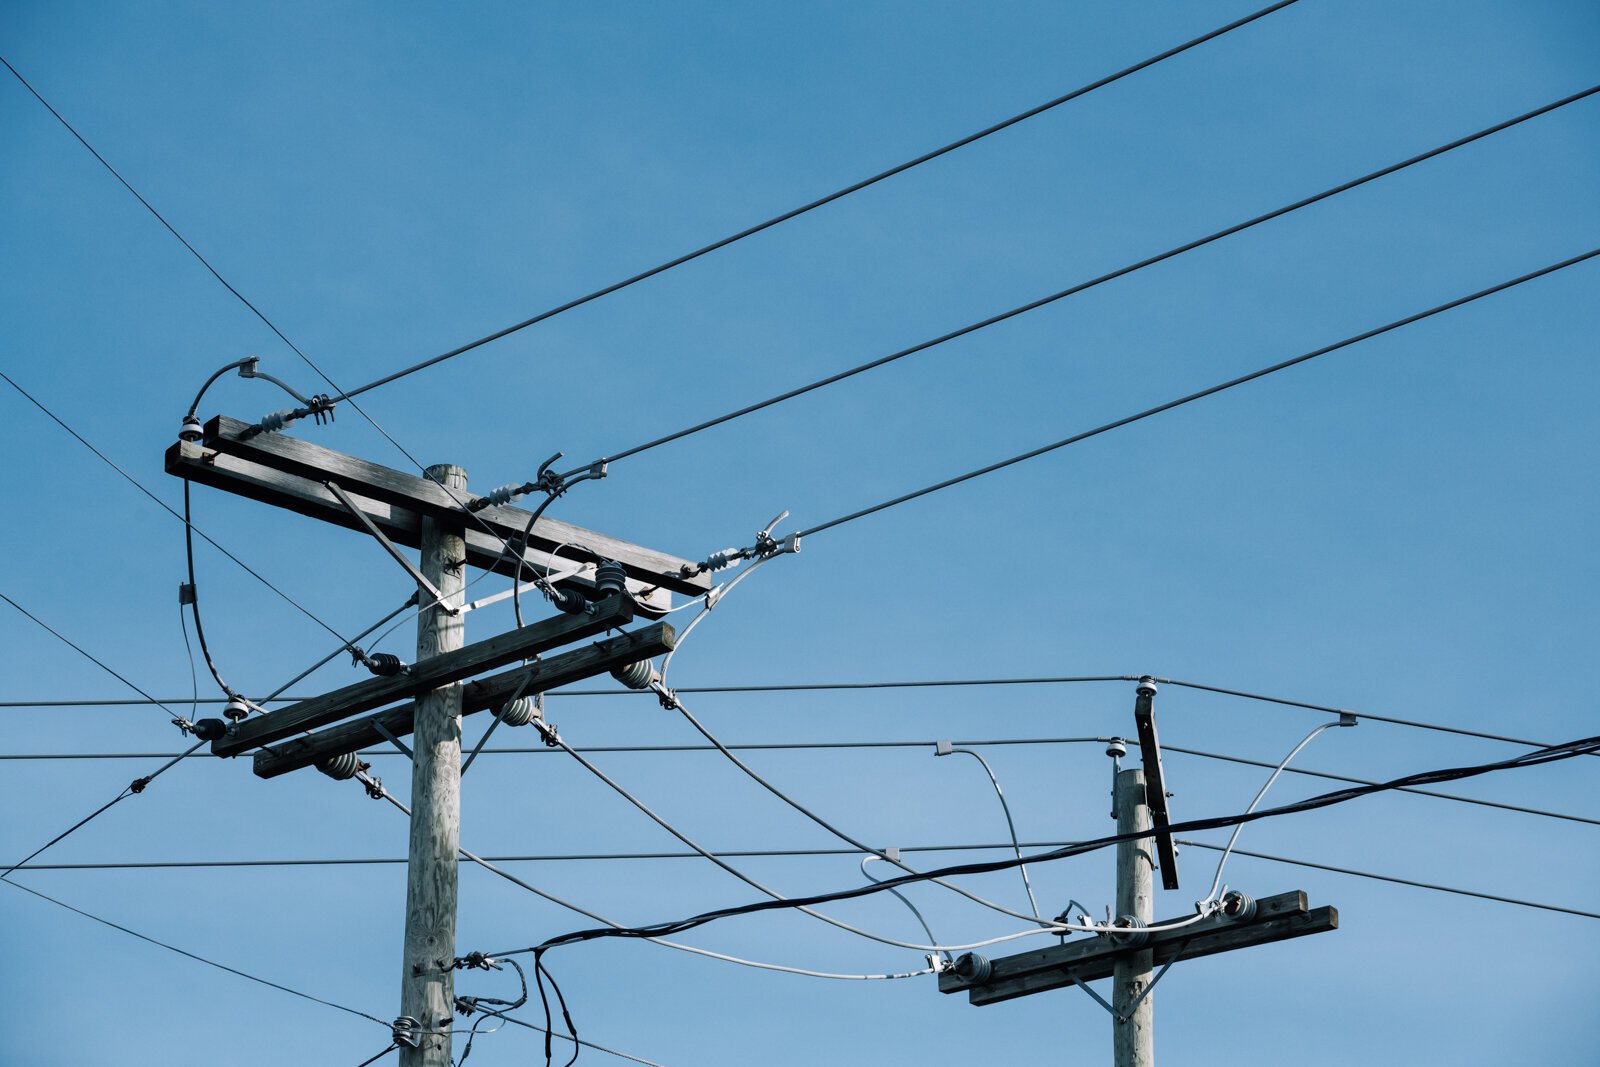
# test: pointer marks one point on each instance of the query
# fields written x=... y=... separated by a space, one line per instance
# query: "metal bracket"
x=1123 y=1017
x=377 y=725
x=389 y=546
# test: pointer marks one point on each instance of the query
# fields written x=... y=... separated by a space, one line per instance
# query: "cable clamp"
x=547 y=733
x=481 y=960
x=321 y=408
x=668 y=697
x=184 y=726
x=372 y=784
x=138 y=784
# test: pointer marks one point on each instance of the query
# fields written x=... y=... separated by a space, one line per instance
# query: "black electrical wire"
x=854 y=187
x=374 y=1059
x=1435 y=887
x=1101 y=279
x=164 y=505
x=1552 y=754
x=595 y=857
x=194 y=595
x=200 y=959
x=833 y=745
x=1209 y=391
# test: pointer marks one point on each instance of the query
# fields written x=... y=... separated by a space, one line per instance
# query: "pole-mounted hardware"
x=1144 y=718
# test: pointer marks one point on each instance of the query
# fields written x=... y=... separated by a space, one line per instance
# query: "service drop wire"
x=1010 y=825
x=670 y=700
x=932 y=940
x=1203 y=393
x=854 y=187
x=1550 y=754
x=1233 y=839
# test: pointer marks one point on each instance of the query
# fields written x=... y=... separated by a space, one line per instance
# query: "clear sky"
x=1406 y=527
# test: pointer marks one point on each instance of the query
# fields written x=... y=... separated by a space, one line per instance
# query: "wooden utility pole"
x=1125 y=951
x=1132 y=1030
x=427 y=983
x=604 y=582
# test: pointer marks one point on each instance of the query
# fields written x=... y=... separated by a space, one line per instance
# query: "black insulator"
x=973 y=968
x=340 y=767
x=520 y=712
x=210 y=729
x=236 y=709
x=609 y=578
x=636 y=675
x=568 y=601
x=385 y=664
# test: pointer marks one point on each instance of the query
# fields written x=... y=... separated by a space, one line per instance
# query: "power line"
x=1210 y=391
x=1120 y=272
x=912 y=684
x=899 y=168
x=1552 y=754
x=766 y=854
x=198 y=958
x=163 y=504
x=789 y=746
x=1399 y=881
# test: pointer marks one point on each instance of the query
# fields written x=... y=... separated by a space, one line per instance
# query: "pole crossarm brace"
x=1276 y=918
x=388 y=546
x=426 y=676
x=485 y=693
x=290 y=473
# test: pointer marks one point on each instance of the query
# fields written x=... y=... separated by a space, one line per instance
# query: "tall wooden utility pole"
x=603 y=582
x=427 y=983
x=1132 y=1031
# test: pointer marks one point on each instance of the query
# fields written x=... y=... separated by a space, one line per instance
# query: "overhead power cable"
x=1203 y=393
x=854 y=187
x=787 y=746
x=1552 y=754
x=307 y=360
x=603 y=857
x=1080 y=287
x=816 y=687
x=1433 y=886
x=167 y=507
x=198 y=958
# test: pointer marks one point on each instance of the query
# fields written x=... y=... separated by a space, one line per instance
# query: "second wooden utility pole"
x=427 y=985
x=1132 y=1031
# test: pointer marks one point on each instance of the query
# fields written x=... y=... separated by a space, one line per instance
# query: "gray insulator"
x=726 y=558
x=1238 y=906
x=276 y=421
x=609 y=578
x=1117 y=748
x=505 y=494
x=191 y=431
x=973 y=968
x=1128 y=931
x=637 y=675
x=236 y=709
x=340 y=767
x=520 y=712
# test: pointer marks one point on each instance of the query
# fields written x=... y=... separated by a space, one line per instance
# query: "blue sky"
x=1405 y=527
